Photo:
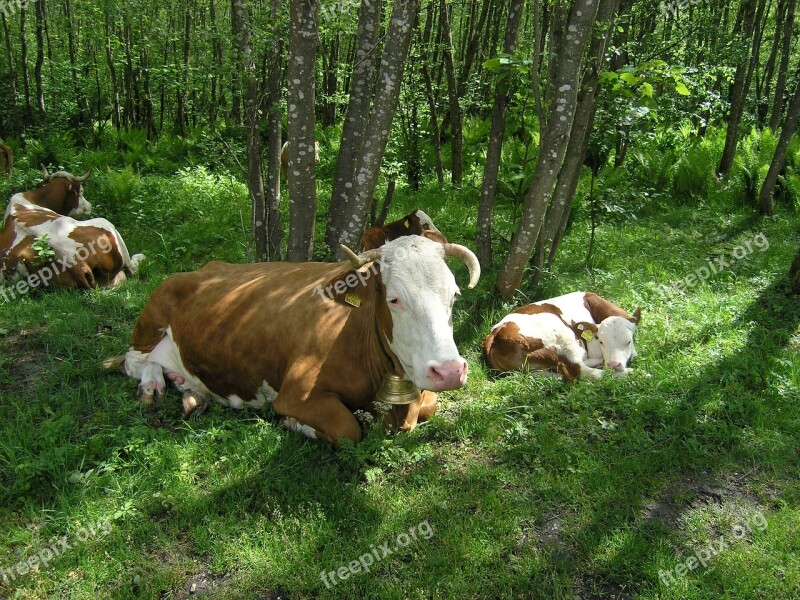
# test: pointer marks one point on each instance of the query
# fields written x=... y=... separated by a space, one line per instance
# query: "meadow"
x=677 y=482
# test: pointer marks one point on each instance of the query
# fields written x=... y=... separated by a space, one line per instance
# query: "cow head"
x=419 y=293
x=615 y=336
x=62 y=192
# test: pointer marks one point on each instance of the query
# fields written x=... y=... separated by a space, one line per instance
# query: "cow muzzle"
x=449 y=375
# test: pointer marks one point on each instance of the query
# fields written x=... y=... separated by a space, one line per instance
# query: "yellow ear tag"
x=352 y=300
x=407 y=223
x=588 y=335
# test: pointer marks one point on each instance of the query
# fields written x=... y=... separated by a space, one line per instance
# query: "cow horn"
x=469 y=259
x=358 y=260
x=83 y=177
x=45 y=175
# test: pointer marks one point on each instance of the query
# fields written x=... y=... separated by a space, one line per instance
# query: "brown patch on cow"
x=375 y=237
x=580 y=328
x=32 y=218
x=506 y=349
x=601 y=309
x=404 y=417
x=59 y=194
x=537 y=309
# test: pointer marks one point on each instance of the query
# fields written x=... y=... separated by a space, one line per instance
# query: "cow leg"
x=151 y=385
x=194 y=404
x=321 y=416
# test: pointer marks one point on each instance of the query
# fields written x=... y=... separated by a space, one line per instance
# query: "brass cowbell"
x=396 y=390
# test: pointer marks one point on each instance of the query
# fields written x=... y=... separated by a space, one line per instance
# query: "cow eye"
x=394 y=301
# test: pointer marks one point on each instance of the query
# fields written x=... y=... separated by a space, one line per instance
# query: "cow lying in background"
x=85 y=254
x=414 y=223
x=285 y=157
x=6 y=160
x=536 y=337
x=607 y=329
x=244 y=335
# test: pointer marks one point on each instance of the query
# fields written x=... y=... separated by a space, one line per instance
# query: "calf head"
x=419 y=294
x=615 y=336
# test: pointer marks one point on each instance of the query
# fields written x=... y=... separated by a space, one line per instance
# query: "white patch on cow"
x=551 y=330
x=426 y=222
x=84 y=208
x=571 y=306
x=615 y=336
x=235 y=401
x=265 y=394
x=420 y=292
x=292 y=424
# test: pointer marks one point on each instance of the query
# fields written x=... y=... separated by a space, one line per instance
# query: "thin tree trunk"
x=273 y=197
x=300 y=74
x=426 y=76
x=562 y=96
x=40 y=17
x=115 y=109
x=361 y=90
x=80 y=95
x=236 y=89
x=765 y=198
x=783 y=70
x=456 y=134
x=763 y=87
x=398 y=40
x=738 y=92
x=12 y=74
x=181 y=117
x=495 y=147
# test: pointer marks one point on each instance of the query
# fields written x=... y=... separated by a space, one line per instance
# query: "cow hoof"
x=148 y=394
x=593 y=374
x=193 y=406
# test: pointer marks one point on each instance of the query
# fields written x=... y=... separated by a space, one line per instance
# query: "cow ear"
x=637 y=316
x=435 y=236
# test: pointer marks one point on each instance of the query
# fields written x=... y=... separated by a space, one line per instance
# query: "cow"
x=6 y=159
x=82 y=254
x=414 y=223
x=245 y=335
x=607 y=329
x=537 y=338
x=285 y=157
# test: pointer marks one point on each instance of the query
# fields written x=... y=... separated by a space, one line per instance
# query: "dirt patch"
x=24 y=357
x=590 y=588
x=201 y=584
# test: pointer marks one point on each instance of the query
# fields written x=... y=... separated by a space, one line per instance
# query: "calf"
x=606 y=329
x=6 y=160
x=85 y=254
x=536 y=337
x=285 y=157
x=414 y=223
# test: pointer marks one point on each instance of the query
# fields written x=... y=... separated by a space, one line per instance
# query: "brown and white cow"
x=6 y=160
x=86 y=254
x=607 y=329
x=245 y=335
x=536 y=338
x=414 y=223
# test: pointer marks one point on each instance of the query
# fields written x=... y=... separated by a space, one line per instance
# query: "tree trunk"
x=494 y=150
x=302 y=182
x=115 y=110
x=794 y=274
x=236 y=88
x=562 y=100
x=766 y=201
x=361 y=89
x=763 y=86
x=330 y=83
x=426 y=76
x=398 y=40
x=12 y=75
x=80 y=95
x=40 y=18
x=216 y=52
x=456 y=134
x=26 y=85
x=181 y=116
x=738 y=92
x=273 y=198
x=783 y=70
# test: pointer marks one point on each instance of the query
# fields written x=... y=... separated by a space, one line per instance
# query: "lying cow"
x=414 y=223
x=536 y=337
x=6 y=160
x=86 y=254
x=245 y=335
x=606 y=329
x=285 y=157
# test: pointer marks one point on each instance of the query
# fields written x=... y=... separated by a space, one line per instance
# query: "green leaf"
x=681 y=88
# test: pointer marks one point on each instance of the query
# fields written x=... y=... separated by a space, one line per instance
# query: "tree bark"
x=300 y=128
x=495 y=147
x=456 y=134
x=738 y=92
x=115 y=110
x=766 y=200
x=355 y=123
x=40 y=18
x=273 y=191
x=432 y=108
x=26 y=85
x=398 y=40
x=783 y=70
x=181 y=116
x=12 y=75
x=80 y=95
x=562 y=100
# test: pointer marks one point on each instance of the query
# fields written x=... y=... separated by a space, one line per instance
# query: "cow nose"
x=615 y=364
x=450 y=375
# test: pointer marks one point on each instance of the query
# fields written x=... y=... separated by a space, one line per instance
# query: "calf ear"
x=637 y=316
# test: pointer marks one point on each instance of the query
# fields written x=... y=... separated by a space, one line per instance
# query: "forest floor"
x=679 y=481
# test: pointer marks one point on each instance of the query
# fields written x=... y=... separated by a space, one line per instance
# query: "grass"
x=531 y=487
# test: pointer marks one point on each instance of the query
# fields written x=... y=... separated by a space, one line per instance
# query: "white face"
x=426 y=222
x=420 y=292
x=84 y=209
x=615 y=335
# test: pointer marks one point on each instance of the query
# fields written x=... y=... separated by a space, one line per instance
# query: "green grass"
x=532 y=487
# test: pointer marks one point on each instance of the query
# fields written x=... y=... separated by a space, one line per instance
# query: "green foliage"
x=43 y=250
x=753 y=157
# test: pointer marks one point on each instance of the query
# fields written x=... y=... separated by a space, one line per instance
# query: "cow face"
x=420 y=292
x=615 y=336
x=82 y=208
